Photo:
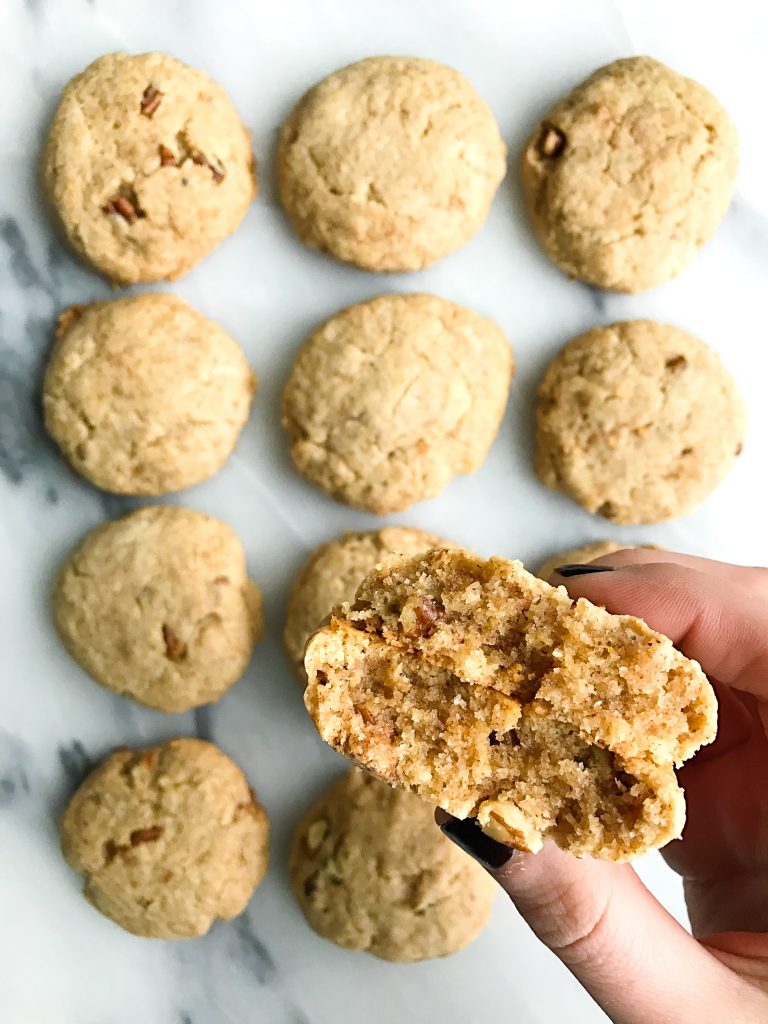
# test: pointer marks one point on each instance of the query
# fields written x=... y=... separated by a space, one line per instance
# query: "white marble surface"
x=60 y=962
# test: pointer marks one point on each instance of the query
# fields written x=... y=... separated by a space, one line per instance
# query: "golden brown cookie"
x=390 y=163
x=147 y=165
x=332 y=573
x=637 y=421
x=494 y=695
x=145 y=395
x=372 y=872
x=390 y=399
x=167 y=839
x=630 y=174
x=157 y=606
x=584 y=555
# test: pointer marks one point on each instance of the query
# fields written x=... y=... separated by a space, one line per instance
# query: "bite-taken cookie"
x=372 y=872
x=495 y=696
x=148 y=166
x=584 y=555
x=145 y=395
x=157 y=606
x=332 y=573
x=390 y=163
x=637 y=421
x=167 y=839
x=390 y=399
x=629 y=175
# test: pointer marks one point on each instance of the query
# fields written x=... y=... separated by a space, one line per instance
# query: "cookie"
x=392 y=398
x=494 y=695
x=390 y=163
x=629 y=175
x=147 y=165
x=167 y=839
x=332 y=573
x=637 y=421
x=372 y=872
x=157 y=606
x=145 y=395
x=584 y=555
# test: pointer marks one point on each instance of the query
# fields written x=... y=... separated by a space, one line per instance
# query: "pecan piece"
x=167 y=156
x=551 y=142
x=427 y=613
x=123 y=207
x=175 y=648
x=68 y=318
x=150 y=100
x=146 y=835
x=676 y=363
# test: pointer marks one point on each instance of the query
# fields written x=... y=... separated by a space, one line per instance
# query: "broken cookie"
x=491 y=693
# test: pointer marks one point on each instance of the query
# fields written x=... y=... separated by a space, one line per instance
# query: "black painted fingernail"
x=581 y=570
x=471 y=839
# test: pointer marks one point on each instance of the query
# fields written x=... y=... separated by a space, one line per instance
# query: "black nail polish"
x=581 y=570
x=471 y=839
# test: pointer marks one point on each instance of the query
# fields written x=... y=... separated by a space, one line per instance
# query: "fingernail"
x=581 y=570
x=471 y=839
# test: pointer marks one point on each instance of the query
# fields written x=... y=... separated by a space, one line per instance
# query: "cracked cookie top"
x=145 y=395
x=627 y=176
x=147 y=165
x=390 y=163
x=637 y=421
x=167 y=839
x=390 y=399
x=372 y=872
x=157 y=606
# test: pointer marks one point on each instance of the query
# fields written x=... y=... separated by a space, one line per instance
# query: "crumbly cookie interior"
x=494 y=695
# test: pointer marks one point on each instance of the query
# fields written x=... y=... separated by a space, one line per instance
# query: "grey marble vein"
x=75 y=761
x=22 y=267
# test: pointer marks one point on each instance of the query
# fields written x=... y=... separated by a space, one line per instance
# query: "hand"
x=636 y=961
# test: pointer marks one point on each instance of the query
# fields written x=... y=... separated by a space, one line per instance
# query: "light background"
x=61 y=962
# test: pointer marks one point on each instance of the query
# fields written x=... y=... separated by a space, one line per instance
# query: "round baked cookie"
x=627 y=176
x=371 y=871
x=390 y=399
x=637 y=421
x=332 y=573
x=145 y=395
x=148 y=166
x=167 y=839
x=390 y=163
x=157 y=606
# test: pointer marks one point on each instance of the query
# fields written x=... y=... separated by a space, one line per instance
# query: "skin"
x=636 y=961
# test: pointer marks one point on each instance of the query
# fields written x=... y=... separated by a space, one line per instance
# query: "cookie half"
x=492 y=694
x=145 y=395
x=392 y=398
x=372 y=872
x=390 y=163
x=147 y=165
x=629 y=175
x=167 y=839
x=638 y=422
x=157 y=606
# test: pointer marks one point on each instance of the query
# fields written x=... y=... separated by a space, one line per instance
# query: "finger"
x=635 y=960
x=713 y=620
x=753 y=577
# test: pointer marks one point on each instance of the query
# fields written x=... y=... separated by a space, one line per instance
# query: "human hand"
x=636 y=961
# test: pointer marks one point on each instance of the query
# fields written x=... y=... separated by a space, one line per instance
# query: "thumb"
x=633 y=957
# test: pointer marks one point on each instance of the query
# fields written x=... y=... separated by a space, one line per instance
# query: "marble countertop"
x=62 y=963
